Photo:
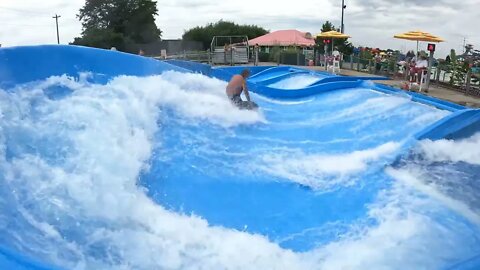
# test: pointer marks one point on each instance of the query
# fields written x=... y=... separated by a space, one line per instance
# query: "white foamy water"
x=69 y=168
x=367 y=110
x=295 y=82
x=413 y=178
x=466 y=150
x=327 y=171
x=283 y=102
x=406 y=237
x=77 y=176
x=455 y=187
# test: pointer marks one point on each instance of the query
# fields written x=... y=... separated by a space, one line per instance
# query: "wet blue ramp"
x=102 y=170
x=48 y=61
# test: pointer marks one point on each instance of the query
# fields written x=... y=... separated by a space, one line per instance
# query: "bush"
x=291 y=50
x=274 y=54
x=458 y=69
x=263 y=57
x=292 y=58
x=206 y=33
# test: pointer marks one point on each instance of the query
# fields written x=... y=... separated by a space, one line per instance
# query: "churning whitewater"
x=78 y=161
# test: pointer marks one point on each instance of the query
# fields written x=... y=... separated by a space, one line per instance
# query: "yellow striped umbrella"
x=332 y=34
x=419 y=36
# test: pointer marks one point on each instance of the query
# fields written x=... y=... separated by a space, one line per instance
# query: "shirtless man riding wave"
x=235 y=87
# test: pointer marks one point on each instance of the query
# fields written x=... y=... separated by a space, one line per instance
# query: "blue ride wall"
x=25 y=64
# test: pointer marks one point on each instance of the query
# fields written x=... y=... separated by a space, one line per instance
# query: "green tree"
x=328 y=26
x=206 y=33
x=118 y=23
x=342 y=44
x=458 y=69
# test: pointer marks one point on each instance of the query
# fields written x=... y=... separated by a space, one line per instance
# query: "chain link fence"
x=459 y=77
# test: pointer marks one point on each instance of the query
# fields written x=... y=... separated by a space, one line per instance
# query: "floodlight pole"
x=342 y=27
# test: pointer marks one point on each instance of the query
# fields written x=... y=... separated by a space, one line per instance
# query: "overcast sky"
x=370 y=22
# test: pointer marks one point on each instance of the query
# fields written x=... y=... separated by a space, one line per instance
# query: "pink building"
x=284 y=38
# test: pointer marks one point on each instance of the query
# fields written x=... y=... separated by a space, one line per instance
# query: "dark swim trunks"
x=242 y=105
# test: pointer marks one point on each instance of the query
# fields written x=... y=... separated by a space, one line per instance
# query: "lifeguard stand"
x=229 y=50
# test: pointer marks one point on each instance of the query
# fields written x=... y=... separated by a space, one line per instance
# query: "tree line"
x=125 y=23
x=118 y=23
x=206 y=33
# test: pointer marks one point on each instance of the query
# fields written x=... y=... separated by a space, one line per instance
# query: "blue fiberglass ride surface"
x=329 y=169
x=338 y=123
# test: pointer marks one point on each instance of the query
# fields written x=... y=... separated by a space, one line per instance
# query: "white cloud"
x=369 y=22
x=30 y=21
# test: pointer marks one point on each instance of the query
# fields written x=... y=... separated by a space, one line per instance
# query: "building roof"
x=284 y=38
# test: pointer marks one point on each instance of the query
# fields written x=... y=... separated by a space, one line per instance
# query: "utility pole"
x=56 y=21
x=464 y=43
x=342 y=27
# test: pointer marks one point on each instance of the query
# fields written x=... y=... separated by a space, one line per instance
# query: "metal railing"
x=440 y=74
x=467 y=82
x=235 y=55
x=195 y=56
x=219 y=56
x=387 y=67
x=229 y=50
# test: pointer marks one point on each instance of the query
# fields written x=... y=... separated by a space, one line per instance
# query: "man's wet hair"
x=245 y=73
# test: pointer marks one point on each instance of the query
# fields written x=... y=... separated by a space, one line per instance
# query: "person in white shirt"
x=336 y=54
x=420 y=66
x=421 y=63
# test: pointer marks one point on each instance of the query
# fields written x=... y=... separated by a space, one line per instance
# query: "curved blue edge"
x=31 y=63
x=459 y=125
x=463 y=123
x=418 y=97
